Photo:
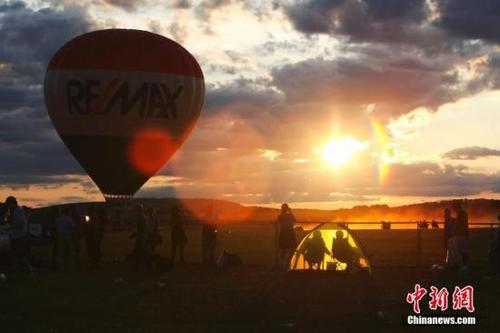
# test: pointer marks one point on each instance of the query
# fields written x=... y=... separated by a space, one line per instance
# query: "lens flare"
x=150 y=148
x=338 y=152
x=383 y=138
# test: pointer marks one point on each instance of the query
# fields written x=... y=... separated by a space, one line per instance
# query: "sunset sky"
x=322 y=104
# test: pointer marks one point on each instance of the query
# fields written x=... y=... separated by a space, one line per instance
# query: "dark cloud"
x=471 y=153
x=182 y=4
x=128 y=5
x=242 y=92
x=34 y=35
x=10 y=6
x=431 y=179
x=31 y=149
x=434 y=26
x=368 y=20
x=37 y=159
x=24 y=181
x=478 y=19
x=22 y=126
x=396 y=85
x=313 y=16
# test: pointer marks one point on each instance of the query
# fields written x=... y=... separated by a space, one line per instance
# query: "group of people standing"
x=15 y=222
x=147 y=236
x=69 y=224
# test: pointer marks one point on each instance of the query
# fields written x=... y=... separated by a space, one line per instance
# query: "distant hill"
x=480 y=210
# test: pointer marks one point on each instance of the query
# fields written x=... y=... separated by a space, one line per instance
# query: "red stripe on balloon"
x=128 y=50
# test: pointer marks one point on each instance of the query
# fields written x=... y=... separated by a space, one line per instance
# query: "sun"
x=339 y=151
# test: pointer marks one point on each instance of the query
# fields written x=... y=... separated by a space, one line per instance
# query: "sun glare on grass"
x=338 y=152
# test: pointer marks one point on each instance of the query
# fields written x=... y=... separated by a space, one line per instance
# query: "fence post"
x=419 y=244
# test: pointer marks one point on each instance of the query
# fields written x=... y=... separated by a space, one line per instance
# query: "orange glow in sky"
x=339 y=151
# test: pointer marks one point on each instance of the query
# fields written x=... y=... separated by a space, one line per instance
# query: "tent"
x=330 y=247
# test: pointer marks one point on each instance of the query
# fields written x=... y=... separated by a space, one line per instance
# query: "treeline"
x=480 y=210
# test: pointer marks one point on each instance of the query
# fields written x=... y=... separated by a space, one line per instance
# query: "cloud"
x=205 y=8
x=242 y=91
x=395 y=85
x=250 y=177
x=34 y=35
x=479 y=19
x=128 y=5
x=389 y=21
x=182 y=4
x=263 y=102
x=31 y=150
x=471 y=153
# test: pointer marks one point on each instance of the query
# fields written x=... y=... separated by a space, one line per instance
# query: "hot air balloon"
x=123 y=101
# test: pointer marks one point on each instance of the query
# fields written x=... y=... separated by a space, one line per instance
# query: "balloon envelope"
x=123 y=101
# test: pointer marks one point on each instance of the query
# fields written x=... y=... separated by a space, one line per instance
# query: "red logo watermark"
x=462 y=298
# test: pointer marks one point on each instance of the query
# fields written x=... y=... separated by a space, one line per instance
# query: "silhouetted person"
x=66 y=230
x=449 y=226
x=461 y=231
x=314 y=250
x=79 y=224
x=3 y=214
x=53 y=215
x=177 y=235
x=102 y=220
x=209 y=235
x=18 y=232
x=142 y=249
x=4 y=234
x=153 y=229
x=92 y=234
x=343 y=251
x=286 y=239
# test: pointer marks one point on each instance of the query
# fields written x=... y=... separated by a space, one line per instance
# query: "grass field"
x=254 y=297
